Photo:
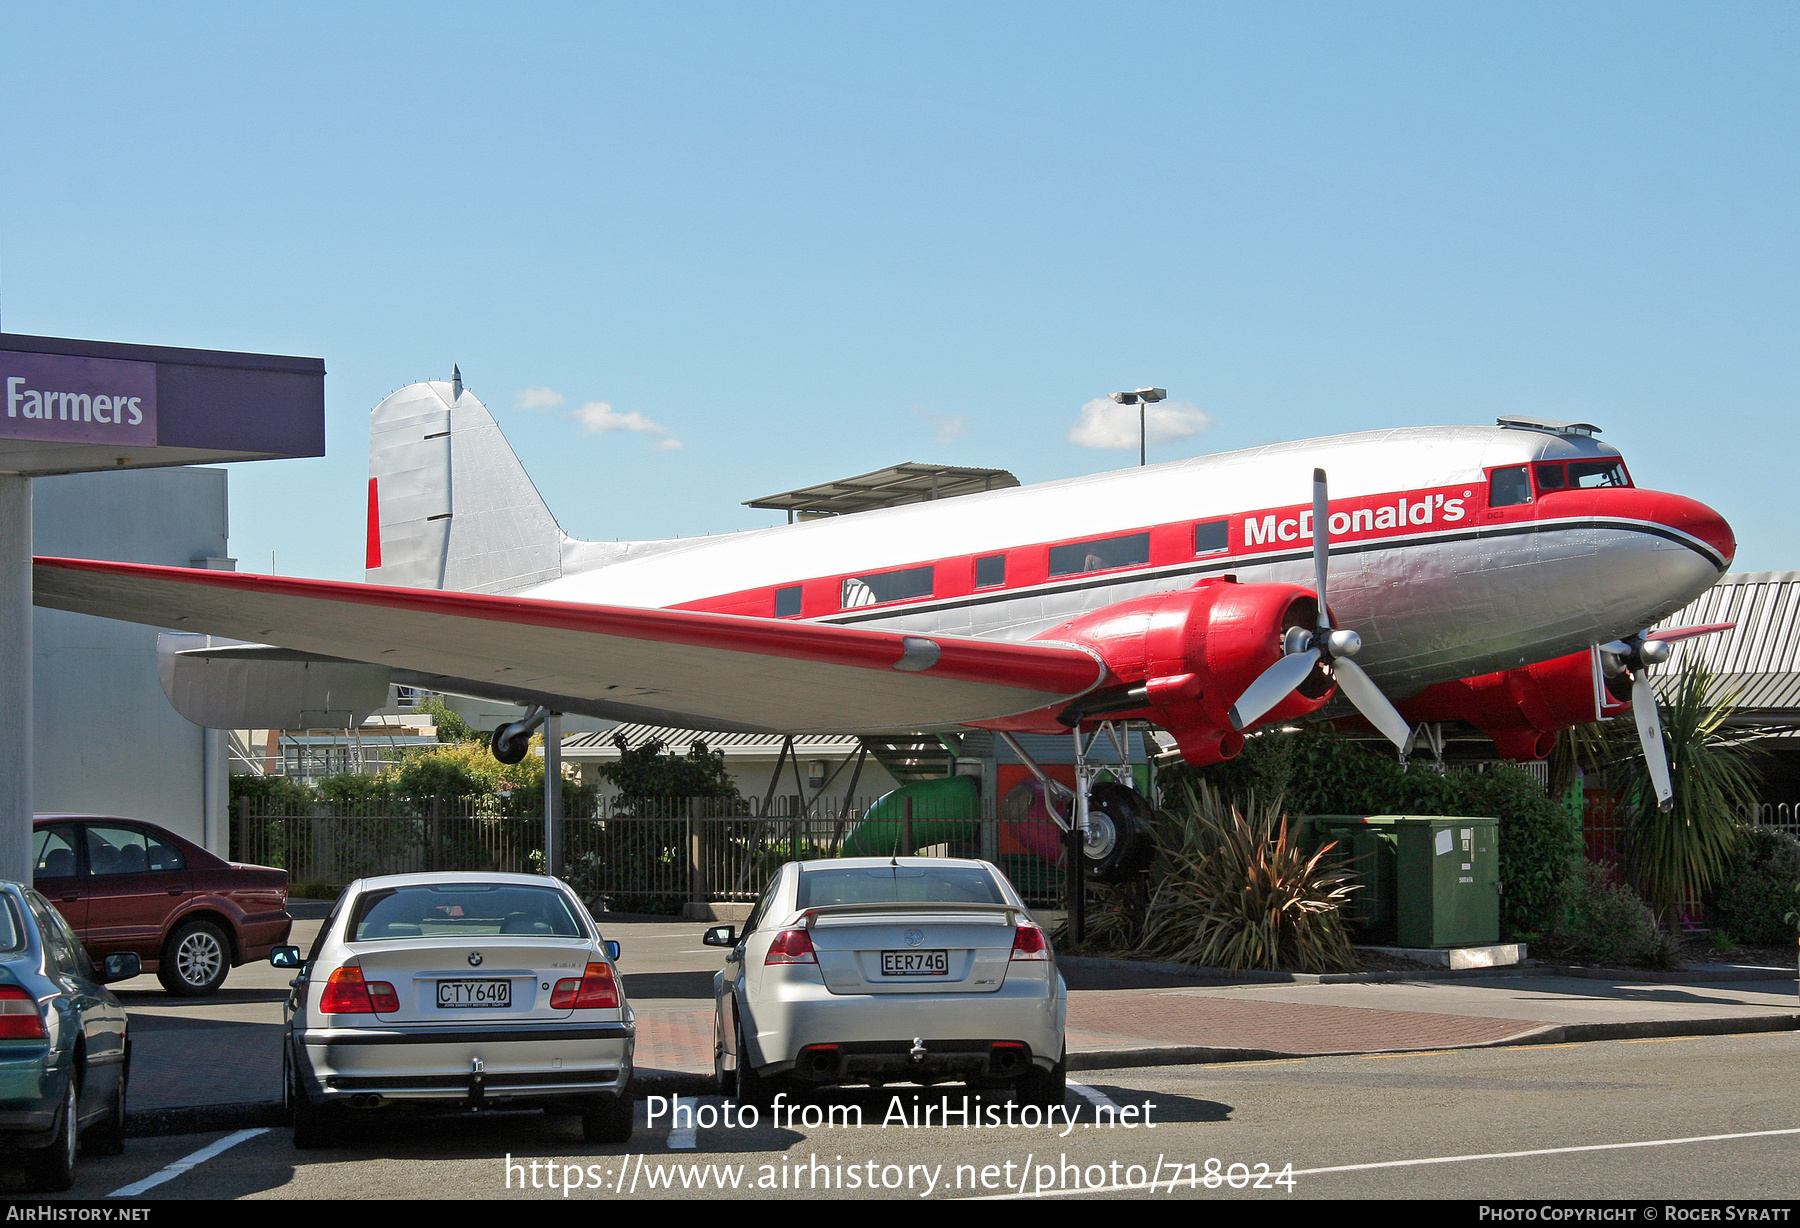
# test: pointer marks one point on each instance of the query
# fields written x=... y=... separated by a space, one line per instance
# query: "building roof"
x=598 y=746
x=1760 y=656
x=910 y=482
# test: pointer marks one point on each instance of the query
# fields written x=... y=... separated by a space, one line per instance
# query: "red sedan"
x=127 y=885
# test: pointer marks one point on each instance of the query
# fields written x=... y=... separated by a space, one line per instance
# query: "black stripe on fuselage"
x=1113 y=579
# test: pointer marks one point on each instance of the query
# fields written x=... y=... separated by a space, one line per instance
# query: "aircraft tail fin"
x=450 y=506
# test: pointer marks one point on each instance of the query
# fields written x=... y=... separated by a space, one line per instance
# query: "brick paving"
x=1139 y=1020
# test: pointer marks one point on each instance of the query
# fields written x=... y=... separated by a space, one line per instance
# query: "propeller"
x=1634 y=655
x=1325 y=645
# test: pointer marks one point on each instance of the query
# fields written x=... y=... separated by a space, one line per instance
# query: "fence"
x=641 y=858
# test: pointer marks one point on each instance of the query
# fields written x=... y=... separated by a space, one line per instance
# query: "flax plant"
x=1673 y=856
x=1234 y=889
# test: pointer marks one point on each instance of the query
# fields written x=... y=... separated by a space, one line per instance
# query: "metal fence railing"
x=651 y=857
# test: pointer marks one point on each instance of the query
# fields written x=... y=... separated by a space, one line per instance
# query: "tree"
x=649 y=774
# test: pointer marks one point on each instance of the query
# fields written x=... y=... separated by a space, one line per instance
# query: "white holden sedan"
x=865 y=970
x=457 y=991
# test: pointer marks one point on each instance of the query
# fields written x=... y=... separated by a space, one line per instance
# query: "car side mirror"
x=721 y=936
x=612 y=950
x=285 y=957
x=121 y=966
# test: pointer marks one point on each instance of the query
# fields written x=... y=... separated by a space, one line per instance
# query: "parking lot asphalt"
x=225 y=1050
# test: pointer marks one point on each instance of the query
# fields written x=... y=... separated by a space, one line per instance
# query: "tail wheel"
x=1120 y=843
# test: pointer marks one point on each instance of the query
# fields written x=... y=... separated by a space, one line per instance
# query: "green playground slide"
x=943 y=811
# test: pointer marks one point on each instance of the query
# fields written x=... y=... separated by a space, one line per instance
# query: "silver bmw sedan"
x=440 y=992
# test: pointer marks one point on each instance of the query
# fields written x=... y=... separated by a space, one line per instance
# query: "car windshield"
x=463 y=910
x=898 y=884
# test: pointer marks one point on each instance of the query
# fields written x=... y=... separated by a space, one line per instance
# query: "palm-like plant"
x=1235 y=890
x=1673 y=855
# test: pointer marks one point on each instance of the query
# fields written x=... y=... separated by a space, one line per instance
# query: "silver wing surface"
x=671 y=667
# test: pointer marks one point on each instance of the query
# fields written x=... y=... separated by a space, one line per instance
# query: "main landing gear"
x=1114 y=820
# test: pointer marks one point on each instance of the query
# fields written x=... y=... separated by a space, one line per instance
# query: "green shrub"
x=271 y=794
x=1235 y=890
x=1605 y=922
x=1755 y=891
x=1314 y=771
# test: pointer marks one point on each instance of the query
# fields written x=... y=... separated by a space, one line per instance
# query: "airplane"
x=1503 y=576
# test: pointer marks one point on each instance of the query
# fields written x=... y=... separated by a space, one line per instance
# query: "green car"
x=64 y=1057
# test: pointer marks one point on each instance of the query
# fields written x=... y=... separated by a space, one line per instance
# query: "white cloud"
x=948 y=427
x=597 y=417
x=1107 y=424
x=538 y=398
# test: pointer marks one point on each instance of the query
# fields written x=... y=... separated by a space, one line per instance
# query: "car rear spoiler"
x=1009 y=912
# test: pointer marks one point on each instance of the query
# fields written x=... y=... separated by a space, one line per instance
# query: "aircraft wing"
x=672 y=667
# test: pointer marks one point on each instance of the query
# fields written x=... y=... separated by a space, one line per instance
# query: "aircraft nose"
x=1694 y=518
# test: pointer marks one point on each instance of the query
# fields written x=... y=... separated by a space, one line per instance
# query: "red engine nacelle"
x=1181 y=659
x=1523 y=709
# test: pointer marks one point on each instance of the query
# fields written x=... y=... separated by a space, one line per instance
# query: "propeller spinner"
x=1325 y=645
x=1634 y=655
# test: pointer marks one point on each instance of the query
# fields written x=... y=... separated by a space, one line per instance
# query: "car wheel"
x=1045 y=1088
x=1120 y=843
x=608 y=1122
x=195 y=959
x=312 y=1123
x=52 y=1169
x=107 y=1137
x=750 y=1087
x=723 y=1080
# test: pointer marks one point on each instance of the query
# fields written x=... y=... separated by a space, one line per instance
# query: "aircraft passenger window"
x=787 y=601
x=990 y=571
x=1132 y=550
x=1509 y=487
x=888 y=586
x=1550 y=477
x=1209 y=538
x=1588 y=474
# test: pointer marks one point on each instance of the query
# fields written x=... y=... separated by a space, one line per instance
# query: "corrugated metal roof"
x=731 y=745
x=909 y=482
x=1761 y=654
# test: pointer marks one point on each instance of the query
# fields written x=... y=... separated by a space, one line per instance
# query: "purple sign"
x=77 y=400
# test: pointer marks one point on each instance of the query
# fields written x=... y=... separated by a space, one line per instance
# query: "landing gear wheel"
x=752 y=1088
x=509 y=746
x=1044 y=1088
x=1119 y=844
x=107 y=1136
x=50 y=1170
x=195 y=959
x=607 y=1122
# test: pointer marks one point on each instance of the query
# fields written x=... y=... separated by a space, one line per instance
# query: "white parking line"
x=681 y=1138
x=171 y=1171
x=1357 y=1168
x=1095 y=1097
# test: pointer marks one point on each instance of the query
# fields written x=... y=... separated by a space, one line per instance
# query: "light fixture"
x=1141 y=398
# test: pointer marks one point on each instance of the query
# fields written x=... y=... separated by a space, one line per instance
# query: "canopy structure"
x=74 y=406
x=909 y=482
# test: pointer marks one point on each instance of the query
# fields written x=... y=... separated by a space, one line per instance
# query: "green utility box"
x=1427 y=880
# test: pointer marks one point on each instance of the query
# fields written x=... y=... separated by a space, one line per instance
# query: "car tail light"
x=1030 y=943
x=595 y=990
x=19 y=1017
x=791 y=947
x=345 y=994
x=382 y=995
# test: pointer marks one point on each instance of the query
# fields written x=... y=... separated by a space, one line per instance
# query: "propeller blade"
x=1321 y=525
x=1688 y=633
x=1272 y=686
x=1362 y=691
x=1649 y=723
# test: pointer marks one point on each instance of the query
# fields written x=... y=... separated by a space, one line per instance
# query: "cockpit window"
x=1509 y=486
x=1585 y=475
x=1550 y=477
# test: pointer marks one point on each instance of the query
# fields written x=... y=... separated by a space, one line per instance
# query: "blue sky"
x=804 y=241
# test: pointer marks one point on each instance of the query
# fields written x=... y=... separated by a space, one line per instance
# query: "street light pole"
x=1143 y=398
